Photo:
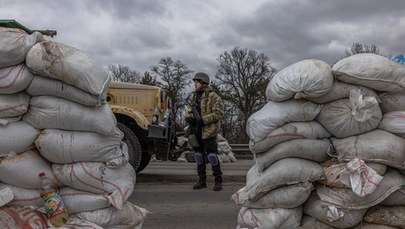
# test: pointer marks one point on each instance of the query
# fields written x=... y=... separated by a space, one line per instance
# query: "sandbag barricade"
x=54 y=119
x=337 y=153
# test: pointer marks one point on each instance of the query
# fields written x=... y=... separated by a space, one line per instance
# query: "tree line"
x=241 y=80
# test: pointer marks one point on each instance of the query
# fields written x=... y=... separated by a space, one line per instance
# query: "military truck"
x=144 y=115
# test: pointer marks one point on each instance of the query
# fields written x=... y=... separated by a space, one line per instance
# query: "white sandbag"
x=14 y=79
x=81 y=201
x=22 y=170
x=45 y=86
x=391 y=216
x=310 y=149
x=6 y=195
x=394 y=122
x=371 y=70
x=365 y=225
x=288 y=196
x=24 y=197
x=116 y=184
x=14 y=104
x=70 y=65
x=62 y=146
x=47 y=112
x=15 y=44
x=279 y=218
x=341 y=90
x=348 y=117
x=280 y=173
x=392 y=101
x=332 y=215
x=13 y=217
x=396 y=198
x=111 y=218
x=309 y=222
x=346 y=198
x=17 y=137
x=333 y=170
x=274 y=115
x=75 y=223
x=375 y=146
x=289 y=131
x=306 y=78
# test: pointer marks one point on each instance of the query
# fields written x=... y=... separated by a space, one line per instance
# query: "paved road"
x=165 y=189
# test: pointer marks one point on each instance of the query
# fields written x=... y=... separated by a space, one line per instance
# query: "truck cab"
x=144 y=116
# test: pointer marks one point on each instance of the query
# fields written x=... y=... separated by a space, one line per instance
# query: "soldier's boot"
x=201 y=171
x=200 y=184
x=216 y=170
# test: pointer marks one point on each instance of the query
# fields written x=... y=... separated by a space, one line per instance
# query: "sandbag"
x=375 y=146
x=392 y=101
x=45 y=86
x=394 y=122
x=75 y=223
x=280 y=218
x=22 y=170
x=22 y=217
x=371 y=70
x=341 y=90
x=15 y=43
x=47 y=112
x=62 y=146
x=332 y=215
x=128 y=217
x=348 y=117
x=346 y=198
x=306 y=78
x=333 y=170
x=274 y=115
x=116 y=184
x=309 y=222
x=310 y=149
x=14 y=79
x=280 y=173
x=289 y=131
x=80 y=201
x=396 y=198
x=70 y=65
x=391 y=216
x=17 y=137
x=288 y=196
x=24 y=197
x=14 y=104
x=365 y=225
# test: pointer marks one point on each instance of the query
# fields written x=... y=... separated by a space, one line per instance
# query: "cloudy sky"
x=138 y=33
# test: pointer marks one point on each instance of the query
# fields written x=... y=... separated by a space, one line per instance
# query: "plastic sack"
x=399 y=59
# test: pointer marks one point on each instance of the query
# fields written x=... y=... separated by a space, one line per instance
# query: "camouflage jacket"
x=212 y=111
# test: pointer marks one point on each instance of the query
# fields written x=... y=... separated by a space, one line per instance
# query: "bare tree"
x=124 y=73
x=174 y=76
x=243 y=76
x=361 y=48
x=149 y=80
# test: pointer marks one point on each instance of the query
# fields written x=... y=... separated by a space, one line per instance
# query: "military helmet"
x=204 y=78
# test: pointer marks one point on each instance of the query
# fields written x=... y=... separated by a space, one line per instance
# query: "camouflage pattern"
x=212 y=111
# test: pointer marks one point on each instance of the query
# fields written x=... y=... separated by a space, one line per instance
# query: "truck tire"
x=134 y=147
x=144 y=160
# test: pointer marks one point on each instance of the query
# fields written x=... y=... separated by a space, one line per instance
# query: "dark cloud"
x=138 y=33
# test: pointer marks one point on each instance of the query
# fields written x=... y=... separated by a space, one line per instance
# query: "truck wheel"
x=134 y=147
x=145 y=161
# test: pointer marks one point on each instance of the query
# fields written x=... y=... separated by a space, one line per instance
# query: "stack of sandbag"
x=328 y=143
x=225 y=153
x=57 y=121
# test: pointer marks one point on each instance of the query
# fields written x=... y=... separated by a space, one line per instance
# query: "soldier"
x=207 y=110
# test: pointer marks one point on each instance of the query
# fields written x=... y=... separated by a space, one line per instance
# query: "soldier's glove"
x=191 y=121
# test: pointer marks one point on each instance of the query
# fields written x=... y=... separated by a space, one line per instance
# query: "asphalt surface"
x=164 y=188
x=186 y=172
